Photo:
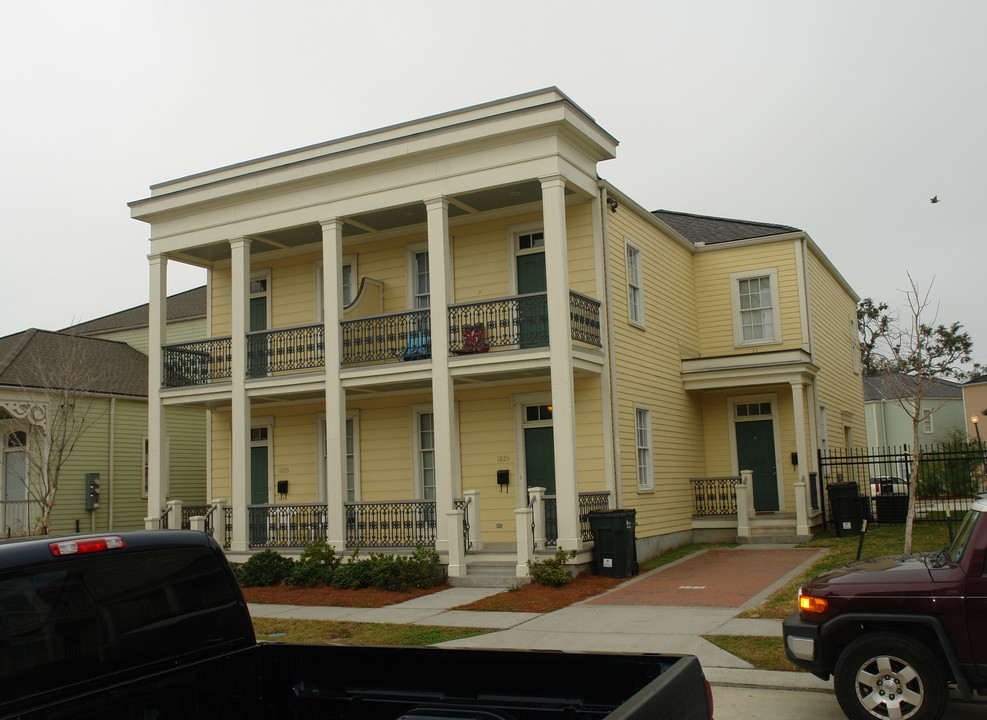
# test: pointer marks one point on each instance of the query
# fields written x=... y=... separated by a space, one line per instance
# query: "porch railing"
x=390 y=524
x=286 y=349
x=196 y=363
x=715 y=496
x=191 y=511
x=500 y=323
x=588 y=502
x=464 y=505
x=285 y=525
x=397 y=336
x=584 y=319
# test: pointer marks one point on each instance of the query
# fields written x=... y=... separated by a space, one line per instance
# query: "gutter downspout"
x=611 y=355
x=113 y=413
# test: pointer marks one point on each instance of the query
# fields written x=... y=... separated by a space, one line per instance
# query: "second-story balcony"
x=511 y=323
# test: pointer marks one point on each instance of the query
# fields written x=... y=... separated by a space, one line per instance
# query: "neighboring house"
x=35 y=365
x=975 y=406
x=420 y=325
x=889 y=425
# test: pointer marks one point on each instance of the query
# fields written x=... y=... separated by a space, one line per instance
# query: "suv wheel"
x=885 y=675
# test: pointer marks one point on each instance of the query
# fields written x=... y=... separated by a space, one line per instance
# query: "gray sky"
x=841 y=118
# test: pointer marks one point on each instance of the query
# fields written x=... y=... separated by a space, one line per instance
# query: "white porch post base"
x=175 y=514
x=457 y=561
x=745 y=503
x=151 y=523
x=198 y=522
x=536 y=499
x=525 y=546
x=476 y=535
x=801 y=509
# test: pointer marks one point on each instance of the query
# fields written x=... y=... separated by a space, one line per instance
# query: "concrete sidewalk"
x=594 y=627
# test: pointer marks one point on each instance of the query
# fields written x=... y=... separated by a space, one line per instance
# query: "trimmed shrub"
x=391 y=572
x=317 y=564
x=553 y=571
x=265 y=568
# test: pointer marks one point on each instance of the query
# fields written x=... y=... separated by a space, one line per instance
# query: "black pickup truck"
x=896 y=631
x=152 y=625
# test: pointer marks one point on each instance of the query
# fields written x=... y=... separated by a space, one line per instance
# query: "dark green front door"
x=258 y=475
x=756 y=451
x=257 y=344
x=539 y=458
x=532 y=312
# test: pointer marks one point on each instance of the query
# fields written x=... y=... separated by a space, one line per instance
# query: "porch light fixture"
x=612 y=204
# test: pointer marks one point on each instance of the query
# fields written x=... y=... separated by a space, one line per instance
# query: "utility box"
x=92 y=491
x=614 y=551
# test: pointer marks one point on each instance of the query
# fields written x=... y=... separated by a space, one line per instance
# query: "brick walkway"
x=720 y=577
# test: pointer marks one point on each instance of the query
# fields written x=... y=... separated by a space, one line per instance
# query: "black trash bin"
x=846 y=506
x=892 y=508
x=614 y=549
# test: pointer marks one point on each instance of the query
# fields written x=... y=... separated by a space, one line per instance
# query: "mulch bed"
x=542 y=598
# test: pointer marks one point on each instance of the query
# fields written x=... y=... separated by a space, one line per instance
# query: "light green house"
x=889 y=425
x=105 y=358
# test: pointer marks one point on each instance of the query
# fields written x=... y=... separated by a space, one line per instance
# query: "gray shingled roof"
x=877 y=387
x=712 y=230
x=181 y=306
x=105 y=367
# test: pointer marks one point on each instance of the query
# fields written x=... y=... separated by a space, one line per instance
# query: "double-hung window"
x=423 y=428
x=756 y=316
x=642 y=435
x=635 y=292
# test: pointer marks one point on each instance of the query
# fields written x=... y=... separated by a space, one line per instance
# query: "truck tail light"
x=89 y=545
x=810 y=604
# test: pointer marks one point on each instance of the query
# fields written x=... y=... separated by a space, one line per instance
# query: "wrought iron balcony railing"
x=390 y=524
x=715 y=496
x=396 y=336
x=196 y=363
x=285 y=525
x=584 y=319
x=286 y=349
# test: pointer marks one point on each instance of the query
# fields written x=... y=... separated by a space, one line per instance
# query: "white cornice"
x=776 y=368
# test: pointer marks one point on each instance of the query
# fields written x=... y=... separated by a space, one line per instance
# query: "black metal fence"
x=391 y=524
x=714 y=496
x=588 y=502
x=285 y=525
x=195 y=363
x=286 y=349
x=950 y=476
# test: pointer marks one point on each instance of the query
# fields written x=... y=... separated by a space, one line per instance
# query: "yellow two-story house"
x=452 y=332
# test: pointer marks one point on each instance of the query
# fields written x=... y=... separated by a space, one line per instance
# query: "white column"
x=156 y=426
x=332 y=314
x=443 y=397
x=560 y=343
x=456 y=566
x=802 y=448
x=175 y=514
x=525 y=546
x=475 y=519
x=240 y=422
x=745 y=503
x=536 y=501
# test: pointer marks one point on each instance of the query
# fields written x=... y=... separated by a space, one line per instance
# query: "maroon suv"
x=895 y=632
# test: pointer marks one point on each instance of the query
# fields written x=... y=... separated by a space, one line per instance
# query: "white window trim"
x=411 y=272
x=775 y=418
x=320 y=456
x=7 y=428
x=927 y=425
x=518 y=403
x=855 y=345
x=738 y=332
x=418 y=487
x=514 y=232
x=644 y=485
x=639 y=254
x=320 y=287
x=146 y=467
x=266 y=421
x=261 y=275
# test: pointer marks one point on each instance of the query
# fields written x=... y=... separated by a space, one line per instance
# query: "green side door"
x=756 y=451
x=532 y=312
x=539 y=458
x=258 y=475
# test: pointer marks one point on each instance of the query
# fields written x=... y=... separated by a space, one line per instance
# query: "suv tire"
x=884 y=675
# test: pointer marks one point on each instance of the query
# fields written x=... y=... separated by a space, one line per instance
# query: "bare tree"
x=63 y=379
x=919 y=354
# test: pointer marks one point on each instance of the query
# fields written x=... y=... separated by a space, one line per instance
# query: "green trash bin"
x=614 y=549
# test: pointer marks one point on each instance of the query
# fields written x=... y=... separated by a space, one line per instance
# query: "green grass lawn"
x=312 y=632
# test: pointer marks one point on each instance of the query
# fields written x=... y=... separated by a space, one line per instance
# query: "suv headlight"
x=811 y=603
